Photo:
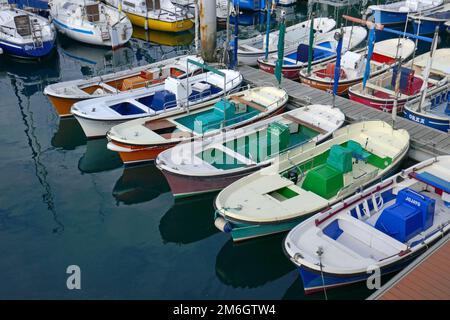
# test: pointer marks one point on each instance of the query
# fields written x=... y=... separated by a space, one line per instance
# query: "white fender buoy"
x=222 y=225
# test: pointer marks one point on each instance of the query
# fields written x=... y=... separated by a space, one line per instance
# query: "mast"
x=236 y=35
x=424 y=88
x=279 y=65
x=339 y=36
x=311 y=42
x=268 y=7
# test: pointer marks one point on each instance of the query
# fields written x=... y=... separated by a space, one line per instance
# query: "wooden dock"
x=426 y=278
x=425 y=142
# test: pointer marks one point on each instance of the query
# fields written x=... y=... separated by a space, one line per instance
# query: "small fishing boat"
x=24 y=34
x=426 y=23
x=249 y=50
x=64 y=94
x=397 y=12
x=143 y=139
x=433 y=111
x=308 y=179
x=214 y=163
x=91 y=21
x=353 y=65
x=160 y=15
x=383 y=227
x=324 y=49
x=97 y=116
x=380 y=90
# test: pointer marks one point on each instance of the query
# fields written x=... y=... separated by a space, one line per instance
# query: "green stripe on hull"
x=245 y=232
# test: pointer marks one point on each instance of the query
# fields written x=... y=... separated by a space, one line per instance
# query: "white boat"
x=200 y=166
x=143 y=139
x=397 y=12
x=64 y=94
x=91 y=22
x=24 y=34
x=308 y=179
x=381 y=228
x=98 y=116
x=249 y=50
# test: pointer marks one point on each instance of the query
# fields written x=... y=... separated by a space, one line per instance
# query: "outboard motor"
x=293 y=175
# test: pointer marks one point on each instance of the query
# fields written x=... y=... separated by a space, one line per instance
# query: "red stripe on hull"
x=386 y=106
x=288 y=73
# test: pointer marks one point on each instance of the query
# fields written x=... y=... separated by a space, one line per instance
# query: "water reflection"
x=189 y=220
x=252 y=264
x=98 y=158
x=69 y=134
x=139 y=184
x=163 y=38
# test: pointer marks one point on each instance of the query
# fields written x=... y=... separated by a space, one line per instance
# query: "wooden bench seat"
x=304 y=123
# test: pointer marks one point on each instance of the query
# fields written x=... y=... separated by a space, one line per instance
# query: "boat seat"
x=251 y=104
x=291 y=118
x=358 y=151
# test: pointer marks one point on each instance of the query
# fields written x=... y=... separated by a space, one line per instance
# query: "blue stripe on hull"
x=442 y=125
x=27 y=50
x=385 y=17
x=427 y=27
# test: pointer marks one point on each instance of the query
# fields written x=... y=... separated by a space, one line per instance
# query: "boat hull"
x=427 y=26
x=63 y=105
x=97 y=128
x=322 y=85
x=427 y=120
x=288 y=72
x=147 y=23
x=388 y=17
x=385 y=106
x=27 y=50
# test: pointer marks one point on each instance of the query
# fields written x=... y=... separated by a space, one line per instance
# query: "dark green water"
x=66 y=201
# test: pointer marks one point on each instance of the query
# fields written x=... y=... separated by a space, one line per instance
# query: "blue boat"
x=24 y=34
x=435 y=111
x=380 y=229
x=427 y=23
x=397 y=12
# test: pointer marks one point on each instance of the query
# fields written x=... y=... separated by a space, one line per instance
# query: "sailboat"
x=353 y=65
x=380 y=93
x=308 y=179
x=143 y=139
x=324 y=49
x=98 y=116
x=383 y=227
x=160 y=15
x=397 y=12
x=24 y=34
x=64 y=94
x=91 y=21
x=249 y=50
x=212 y=164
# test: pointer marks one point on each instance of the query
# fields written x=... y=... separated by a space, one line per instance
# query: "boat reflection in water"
x=69 y=134
x=98 y=158
x=252 y=264
x=95 y=60
x=163 y=38
x=139 y=184
x=189 y=220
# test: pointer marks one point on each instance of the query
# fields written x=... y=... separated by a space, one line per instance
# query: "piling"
x=208 y=29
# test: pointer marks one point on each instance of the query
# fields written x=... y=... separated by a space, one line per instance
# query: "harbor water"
x=68 y=201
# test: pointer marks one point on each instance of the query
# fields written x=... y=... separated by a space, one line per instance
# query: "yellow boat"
x=163 y=38
x=161 y=15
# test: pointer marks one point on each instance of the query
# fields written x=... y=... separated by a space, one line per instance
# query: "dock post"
x=208 y=29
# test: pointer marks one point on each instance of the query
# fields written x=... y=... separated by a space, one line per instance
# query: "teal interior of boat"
x=224 y=113
x=277 y=137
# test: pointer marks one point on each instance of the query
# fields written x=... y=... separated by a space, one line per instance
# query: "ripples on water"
x=65 y=200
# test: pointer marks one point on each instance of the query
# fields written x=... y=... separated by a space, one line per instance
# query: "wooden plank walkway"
x=425 y=142
x=426 y=278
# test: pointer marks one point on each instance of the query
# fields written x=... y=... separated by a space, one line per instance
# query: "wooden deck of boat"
x=426 y=278
x=425 y=142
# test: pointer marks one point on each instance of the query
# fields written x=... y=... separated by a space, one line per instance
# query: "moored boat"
x=397 y=12
x=426 y=23
x=24 y=34
x=380 y=90
x=143 y=139
x=381 y=228
x=353 y=65
x=213 y=163
x=160 y=15
x=308 y=179
x=249 y=50
x=64 y=94
x=91 y=22
x=433 y=112
x=97 y=116
x=324 y=49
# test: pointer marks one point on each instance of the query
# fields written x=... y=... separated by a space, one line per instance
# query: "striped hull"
x=378 y=104
x=27 y=50
x=428 y=120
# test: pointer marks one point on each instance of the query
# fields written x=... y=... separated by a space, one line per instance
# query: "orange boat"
x=64 y=94
x=353 y=64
